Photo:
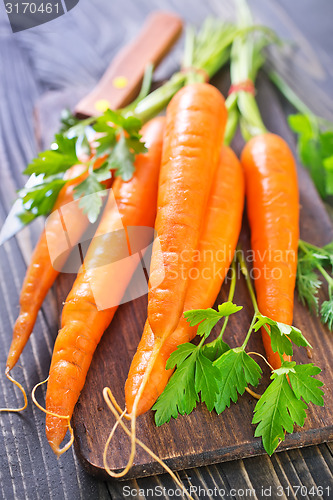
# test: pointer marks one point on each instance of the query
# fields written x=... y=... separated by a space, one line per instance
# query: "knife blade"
x=118 y=86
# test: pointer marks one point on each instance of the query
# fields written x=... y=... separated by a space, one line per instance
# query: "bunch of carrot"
x=268 y=171
x=191 y=187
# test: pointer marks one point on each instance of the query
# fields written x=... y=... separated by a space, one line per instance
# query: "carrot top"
x=246 y=60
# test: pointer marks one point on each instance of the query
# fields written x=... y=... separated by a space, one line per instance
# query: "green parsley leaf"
x=83 y=145
x=207 y=380
x=103 y=172
x=55 y=161
x=178 y=356
x=27 y=217
x=281 y=405
x=215 y=349
x=328 y=165
x=122 y=159
x=326 y=143
x=133 y=143
x=106 y=143
x=195 y=375
x=237 y=370
x=276 y=412
x=90 y=192
x=326 y=313
x=122 y=152
x=68 y=120
x=111 y=125
x=305 y=385
x=109 y=119
x=281 y=335
x=39 y=200
x=132 y=125
x=300 y=124
x=315 y=149
x=286 y=368
x=180 y=394
x=209 y=317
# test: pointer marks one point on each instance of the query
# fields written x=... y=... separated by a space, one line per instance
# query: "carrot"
x=217 y=244
x=273 y=212
x=195 y=124
x=82 y=322
x=41 y=274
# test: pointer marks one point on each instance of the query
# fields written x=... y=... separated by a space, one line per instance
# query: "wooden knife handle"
x=121 y=82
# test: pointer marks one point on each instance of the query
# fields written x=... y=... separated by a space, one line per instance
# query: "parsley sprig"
x=311 y=260
x=216 y=374
x=283 y=404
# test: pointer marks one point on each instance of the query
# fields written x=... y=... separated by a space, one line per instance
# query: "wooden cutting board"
x=202 y=437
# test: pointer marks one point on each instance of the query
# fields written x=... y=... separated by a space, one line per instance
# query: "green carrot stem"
x=249 y=332
x=230 y=297
x=248 y=281
x=232 y=122
x=246 y=60
x=155 y=102
x=305 y=244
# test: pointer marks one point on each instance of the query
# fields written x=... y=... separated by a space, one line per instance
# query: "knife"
x=119 y=86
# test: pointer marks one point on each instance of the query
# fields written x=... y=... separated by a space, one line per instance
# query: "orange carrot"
x=217 y=244
x=273 y=212
x=82 y=322
x=195 y=124
x=41 y=274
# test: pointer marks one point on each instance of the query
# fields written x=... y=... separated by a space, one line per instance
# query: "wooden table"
x=60 y=61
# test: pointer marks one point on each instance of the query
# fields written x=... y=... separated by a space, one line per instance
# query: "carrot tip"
x=15 y=410
x=55 y=447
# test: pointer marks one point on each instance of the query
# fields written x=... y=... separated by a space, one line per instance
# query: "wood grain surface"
x=51 y=67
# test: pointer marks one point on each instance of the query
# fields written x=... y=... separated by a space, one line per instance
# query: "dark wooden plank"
x=258 y=477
